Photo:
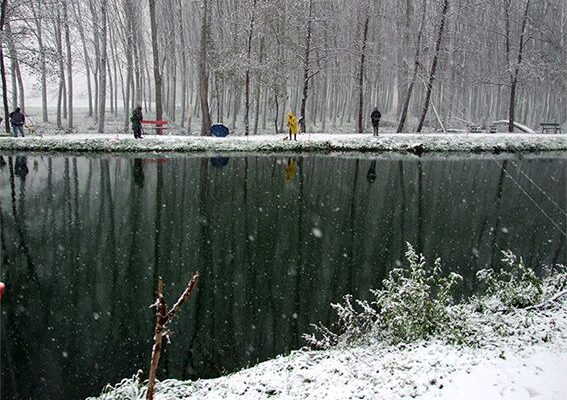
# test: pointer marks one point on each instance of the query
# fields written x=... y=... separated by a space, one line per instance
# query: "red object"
x=160 y=124
x=2 y=287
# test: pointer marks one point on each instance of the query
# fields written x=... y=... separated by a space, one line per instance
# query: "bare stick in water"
x=163 y=317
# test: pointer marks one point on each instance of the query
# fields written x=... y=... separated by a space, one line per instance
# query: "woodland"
x=426 y=64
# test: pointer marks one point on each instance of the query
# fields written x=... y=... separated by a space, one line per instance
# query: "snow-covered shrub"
x=556 y=280
x=413 y=304
x=351 y=325
x=514 y=286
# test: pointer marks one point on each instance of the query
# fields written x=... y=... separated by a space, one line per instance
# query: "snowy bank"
x=414 y=143
x=511 y=353
x=529 y=362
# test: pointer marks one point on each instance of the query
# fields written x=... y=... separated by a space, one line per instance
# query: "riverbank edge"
x=308 y=143
x=523 y=361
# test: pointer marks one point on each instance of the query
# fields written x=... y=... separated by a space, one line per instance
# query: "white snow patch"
x=416 y=143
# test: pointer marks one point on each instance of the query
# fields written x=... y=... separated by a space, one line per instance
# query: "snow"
x=528 y=362
x=316 y=142
x=521 y=127
x=541 y=375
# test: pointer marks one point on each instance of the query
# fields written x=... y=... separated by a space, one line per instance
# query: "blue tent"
x=219 y=130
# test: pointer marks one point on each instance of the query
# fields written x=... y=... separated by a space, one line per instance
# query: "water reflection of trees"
x=87 y=261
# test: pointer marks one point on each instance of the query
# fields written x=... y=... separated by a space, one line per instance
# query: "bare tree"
x=203 y=72
x=69 y=64
x=103 y=61
x=155 y=53
x=3 y=6
x=514 y=69
x=434 y=65
x=361 y=70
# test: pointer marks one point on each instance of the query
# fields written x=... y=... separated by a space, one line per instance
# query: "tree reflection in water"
x=273 y=254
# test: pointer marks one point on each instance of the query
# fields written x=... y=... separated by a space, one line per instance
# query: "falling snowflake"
x=317 y=232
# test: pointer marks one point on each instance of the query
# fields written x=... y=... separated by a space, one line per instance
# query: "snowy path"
x=306 y=143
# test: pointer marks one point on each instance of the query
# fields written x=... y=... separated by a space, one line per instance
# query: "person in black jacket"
x=375 y=119
x=136 y=120
x=17 y=120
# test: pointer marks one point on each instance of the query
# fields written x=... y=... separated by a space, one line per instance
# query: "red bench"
x=158 y=125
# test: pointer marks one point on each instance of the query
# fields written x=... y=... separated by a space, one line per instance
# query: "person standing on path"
x=292 y=125
x=136 y=120
x=17 y=120
x=375 y=119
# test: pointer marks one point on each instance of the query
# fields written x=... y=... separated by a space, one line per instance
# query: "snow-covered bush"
x=514 y=286
x=556 y=280
x=352 y=324
x=413 y=304
x=416 y=303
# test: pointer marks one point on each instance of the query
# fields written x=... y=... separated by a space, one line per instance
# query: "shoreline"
x=527 y=361
x=307 y=143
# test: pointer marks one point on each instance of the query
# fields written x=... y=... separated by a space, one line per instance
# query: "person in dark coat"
x=17 y=120
x=136 y=120
x=375 y=119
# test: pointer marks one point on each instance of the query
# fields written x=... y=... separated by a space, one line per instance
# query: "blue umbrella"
x=219 y=130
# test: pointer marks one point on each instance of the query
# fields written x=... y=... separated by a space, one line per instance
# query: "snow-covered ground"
x=528 y=362
x=315 y=142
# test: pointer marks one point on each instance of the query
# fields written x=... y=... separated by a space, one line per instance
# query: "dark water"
x=83 y=240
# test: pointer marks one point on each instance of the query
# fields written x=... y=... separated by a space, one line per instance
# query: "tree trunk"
x=61 y=64
x=69 y=66
x=3 y=67
x=155 y=54
x=42 y=62
x=361 y=75
x=102 y=72
x=203 y=73
x=247 y=78
x=306 y=76
x=97 y=67
x=183 y=64
x=514 y=73
x=129 y=13
x=411 y=85
x=79 y=18
x=17 y=83
x=433 y=65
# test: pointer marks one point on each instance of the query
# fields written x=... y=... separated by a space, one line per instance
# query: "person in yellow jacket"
x=292 y=125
